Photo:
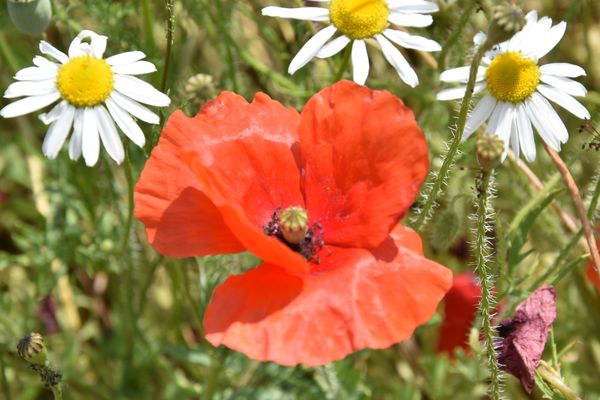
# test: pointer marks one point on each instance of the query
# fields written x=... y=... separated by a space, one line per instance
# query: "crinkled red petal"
x=364 y=161
x=360 y=299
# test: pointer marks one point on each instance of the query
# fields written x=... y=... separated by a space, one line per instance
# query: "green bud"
x=32 y=349
x=489 y=150
x=30 y=16
x=444 y=229
x=507 y=20
x=294 y=224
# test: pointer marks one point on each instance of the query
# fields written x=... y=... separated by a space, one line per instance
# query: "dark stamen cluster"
x=594 y=143
x=309 y=247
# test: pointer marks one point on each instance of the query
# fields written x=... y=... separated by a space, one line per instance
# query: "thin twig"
x=574 y=191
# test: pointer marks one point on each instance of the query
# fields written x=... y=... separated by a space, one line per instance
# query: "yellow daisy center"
x=512 y=77
x=85 y=81
x=359 y=19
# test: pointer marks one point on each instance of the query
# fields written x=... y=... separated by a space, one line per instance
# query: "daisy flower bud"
x=32 y=349
x=30 y=16
x=508 y=20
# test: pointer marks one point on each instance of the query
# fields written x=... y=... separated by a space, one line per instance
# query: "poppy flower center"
x=359 y=19
x=512 y=77
x=85 y=81
x=292 y=228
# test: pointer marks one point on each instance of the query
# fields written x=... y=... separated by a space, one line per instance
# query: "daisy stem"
x=578 y=202
x=130 y=185
x=344 y=65
x=426 y=212
x=170 y=22
x=483 y=253
x=456 y=34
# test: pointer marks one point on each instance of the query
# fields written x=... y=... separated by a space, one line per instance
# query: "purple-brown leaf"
x=524 y=335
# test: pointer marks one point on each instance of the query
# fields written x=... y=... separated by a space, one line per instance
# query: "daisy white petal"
x=411 y=41
x=410 y=20
x=28 y=104
x=537 y=112
x=480 y=113
x=458 y=92
x=136 y=68
x=360 y=62
x=550 y=40
x=36 y=74
x=504 y=125
x=126 y=123
x=303 y=13
x=43 y=62
x=125 y=58
x=397 y=60
x=48 y=49
x=564 y=100
x=29 y=88
x=90 y=143
x=55 y=113
x=563 y=69
x=134 y=108
x=461 y=74
x=525 y=133
x=311 y=48
x=140 y=91
x=566 y=85
x=109 y=135
x=58 y=132
x=333 y=47
x=77 y=136
x=413 y=6
x=514 y=139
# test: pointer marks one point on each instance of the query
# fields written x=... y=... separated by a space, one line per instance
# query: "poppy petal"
x=358 y=299
x=247 y=148
x=364 y=161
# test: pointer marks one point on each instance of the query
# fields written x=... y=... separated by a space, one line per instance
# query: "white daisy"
x=517 y=90
x=358 y=20
x=93 y=91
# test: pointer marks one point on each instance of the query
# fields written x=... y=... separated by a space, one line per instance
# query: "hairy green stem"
x=453 y=39
x=170 y=23
x=431 y=196
x=554 y=380
x=483 y=252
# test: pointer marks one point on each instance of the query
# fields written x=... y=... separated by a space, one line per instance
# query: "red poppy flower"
x=239 y=175
x=460 y=310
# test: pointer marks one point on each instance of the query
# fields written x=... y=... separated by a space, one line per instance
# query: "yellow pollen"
x=85 y=81
x=359 y=19
x=511 y=77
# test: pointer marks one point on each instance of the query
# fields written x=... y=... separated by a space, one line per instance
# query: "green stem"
x=148 y=28
x=57 y=392
x=213 y=375
x=453 y=39
x=5 y=388
x=130 y=202
x=553 y=348
x=436 y=188
x=170 y=23
x=553 y=379
x=344 y=65
x=483 y=253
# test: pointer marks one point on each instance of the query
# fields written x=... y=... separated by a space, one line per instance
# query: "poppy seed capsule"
x=32 y=349
x=30 y=16
x=294 y=224
x=489 y=150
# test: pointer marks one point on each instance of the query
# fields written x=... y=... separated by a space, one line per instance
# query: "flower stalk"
x=430 y=196
x=578 y=202
x=554 y=380
x=483 y=253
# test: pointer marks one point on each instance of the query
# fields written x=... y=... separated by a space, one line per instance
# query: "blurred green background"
x=123 y=322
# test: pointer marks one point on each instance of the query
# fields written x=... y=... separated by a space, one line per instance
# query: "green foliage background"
x=131 y=320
